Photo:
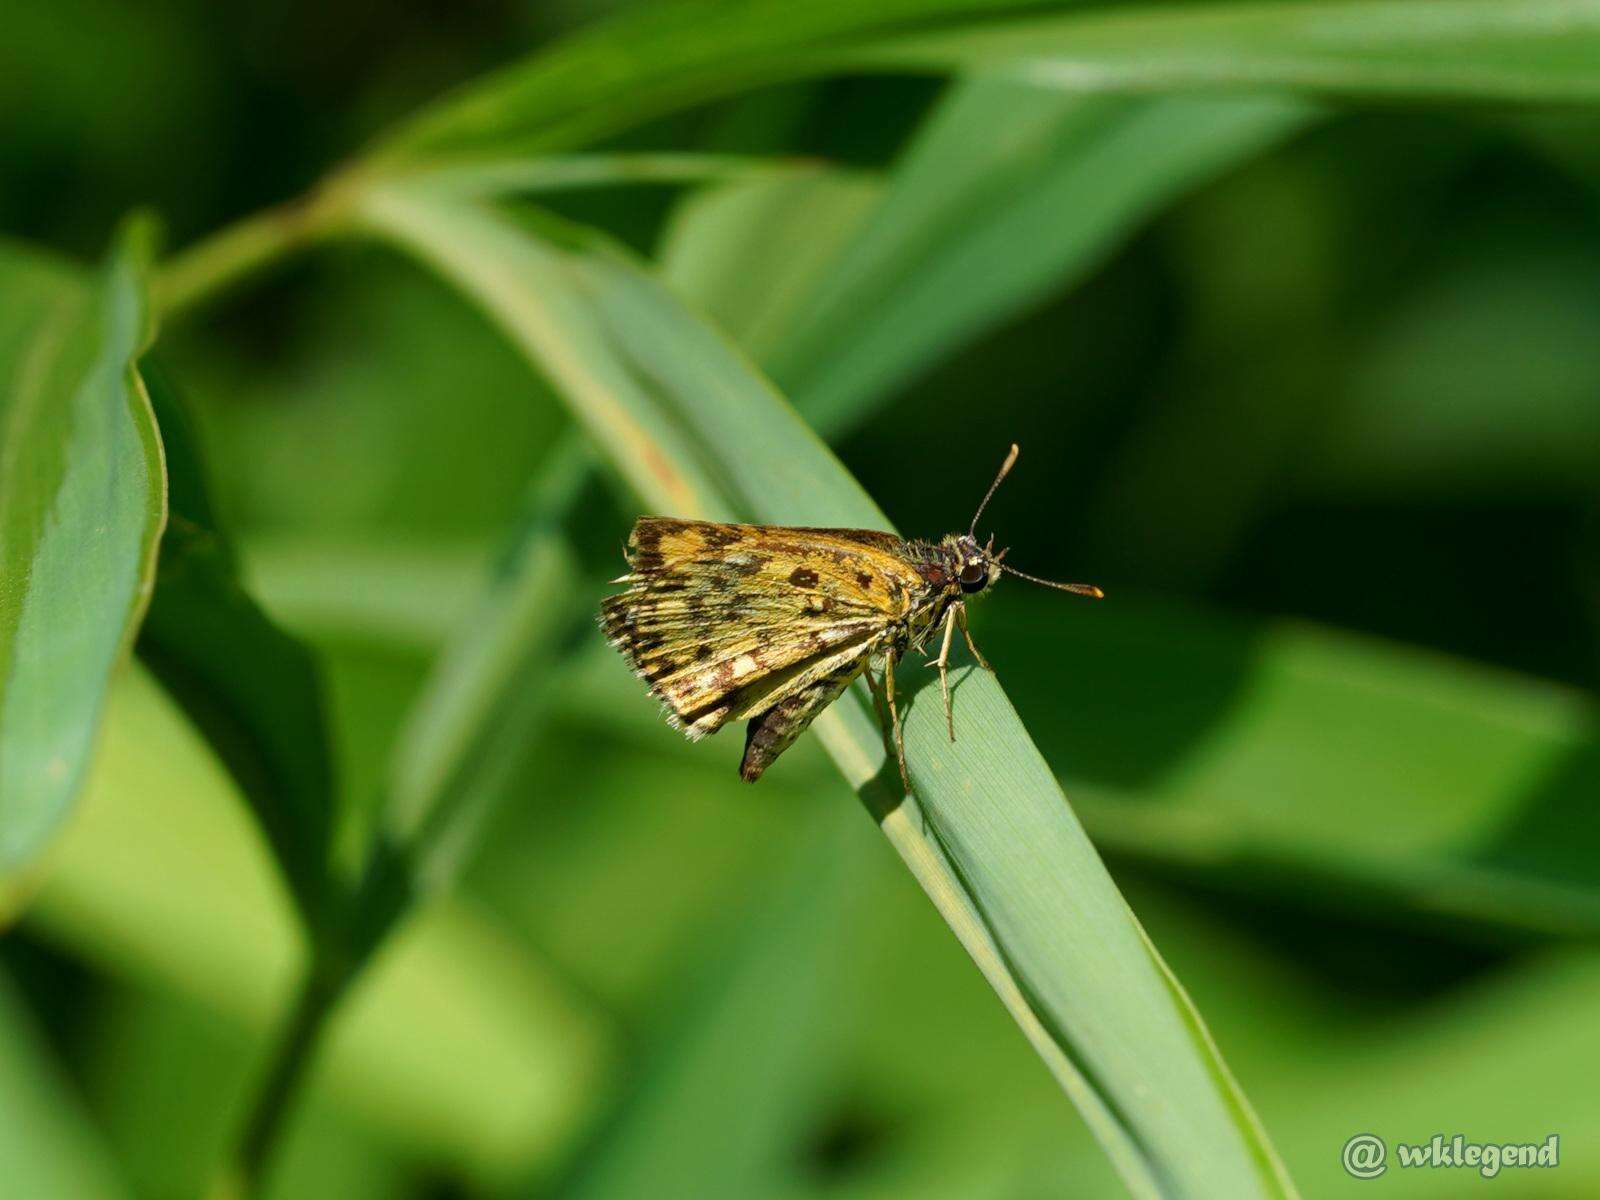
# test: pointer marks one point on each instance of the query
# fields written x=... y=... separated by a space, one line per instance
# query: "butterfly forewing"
x=766 y=623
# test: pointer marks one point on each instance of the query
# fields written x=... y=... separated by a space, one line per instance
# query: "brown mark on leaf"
x=660 y=466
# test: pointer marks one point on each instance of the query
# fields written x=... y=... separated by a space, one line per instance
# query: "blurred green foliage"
x=1317 y=401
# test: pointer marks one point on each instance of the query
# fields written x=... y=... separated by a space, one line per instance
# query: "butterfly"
x=769 y=624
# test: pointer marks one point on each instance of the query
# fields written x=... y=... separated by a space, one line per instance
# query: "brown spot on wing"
x=803 y=577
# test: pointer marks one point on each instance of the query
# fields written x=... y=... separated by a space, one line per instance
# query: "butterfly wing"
x=726 y=622
x=773 y=730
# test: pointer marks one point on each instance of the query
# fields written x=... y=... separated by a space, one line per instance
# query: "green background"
x=1309 y=384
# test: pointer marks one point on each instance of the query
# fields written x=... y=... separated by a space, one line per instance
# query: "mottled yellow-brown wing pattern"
x=727 y=622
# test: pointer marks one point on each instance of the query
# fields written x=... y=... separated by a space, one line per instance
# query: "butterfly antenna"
x=1081 y=589
x=1005 y=469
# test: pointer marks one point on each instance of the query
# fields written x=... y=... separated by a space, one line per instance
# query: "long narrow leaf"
x=1008 y=193
x=564 y=172
x=82 y=503
x=753 y=254
x=1427 y=49
x=661 y=58
x=652 y=60
x=991 y=838
x=480 y=709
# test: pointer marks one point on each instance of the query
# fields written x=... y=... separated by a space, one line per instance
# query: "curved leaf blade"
x=1534 y=50
x=753 y=255
x=991 y=837
x=479 y=710
x=82 y=505
x=664 y=58
x=845 y=288
x=977 y=226
x=496 y=177
x=652 y=60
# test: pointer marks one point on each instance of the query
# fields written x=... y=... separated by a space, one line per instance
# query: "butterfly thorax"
x=952 y=570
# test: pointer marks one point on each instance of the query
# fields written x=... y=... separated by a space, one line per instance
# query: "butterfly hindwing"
x=773 y=730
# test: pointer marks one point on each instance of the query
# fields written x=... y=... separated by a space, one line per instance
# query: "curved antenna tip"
x=1077 y=589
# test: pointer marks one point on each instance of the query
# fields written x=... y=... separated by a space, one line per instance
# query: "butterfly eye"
x=974 y=576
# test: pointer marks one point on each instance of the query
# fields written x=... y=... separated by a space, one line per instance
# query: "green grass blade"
x=568 y=172
x=975 y=227
x=753 y=254
x=993 y=840
x=650 y=61
x=1512 y=1046
x=667 y=57
x=250 y=687
x=468 y=730
x=1533 y=50
x=82 y=504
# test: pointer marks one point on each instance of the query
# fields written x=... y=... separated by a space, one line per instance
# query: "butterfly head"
x=976 y=567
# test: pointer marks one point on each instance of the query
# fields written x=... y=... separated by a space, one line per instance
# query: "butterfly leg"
x=943 y=666
x=943 y=663
x=961 y=610
x=894 y=719
x=876 y=688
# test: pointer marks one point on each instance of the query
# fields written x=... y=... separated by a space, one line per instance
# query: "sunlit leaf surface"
x=82 y=501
